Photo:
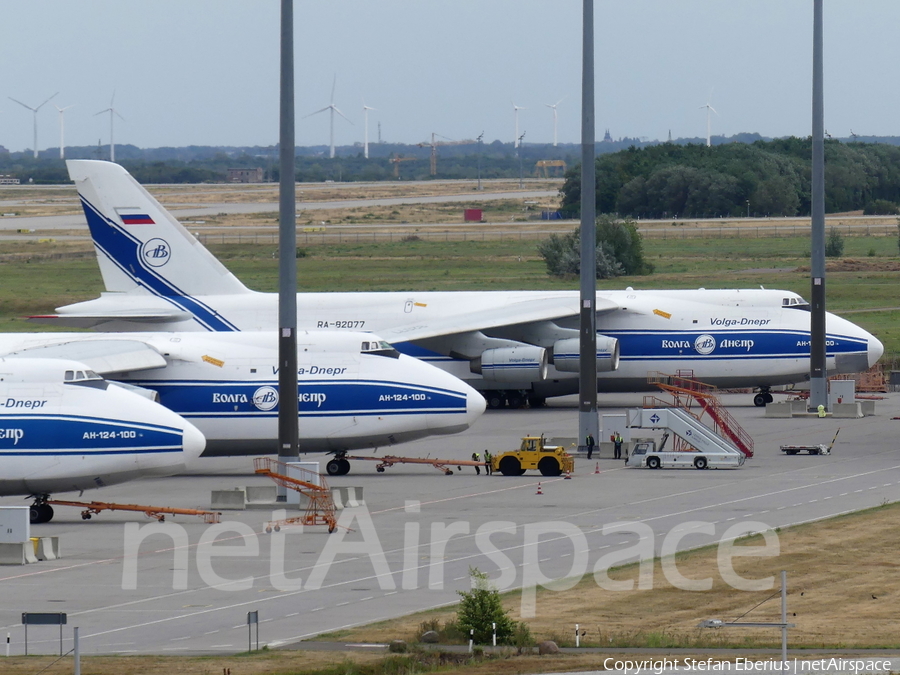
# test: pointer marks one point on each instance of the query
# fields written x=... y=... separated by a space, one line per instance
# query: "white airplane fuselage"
x=59 y=435
x=728 y=338
x=227 y=385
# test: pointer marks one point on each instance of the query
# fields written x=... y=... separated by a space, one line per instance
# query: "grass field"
x=862 y=285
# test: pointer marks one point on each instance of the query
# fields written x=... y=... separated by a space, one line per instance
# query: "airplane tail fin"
x=140 y=246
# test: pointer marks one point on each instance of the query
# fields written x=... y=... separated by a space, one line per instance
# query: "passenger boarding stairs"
x=685 y=393
x=689 y=429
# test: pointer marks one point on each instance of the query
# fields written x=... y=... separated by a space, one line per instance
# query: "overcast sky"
x=205 y=72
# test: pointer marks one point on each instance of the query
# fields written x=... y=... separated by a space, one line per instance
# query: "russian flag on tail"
x=136 y=219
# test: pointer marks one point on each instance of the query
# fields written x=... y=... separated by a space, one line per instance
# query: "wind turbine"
x=62 y=141
x=35 y=111
x=333 y=108
x=112 y=113
x=516 y=110
x=708 y=120
x=554 y=119
x=366 y=110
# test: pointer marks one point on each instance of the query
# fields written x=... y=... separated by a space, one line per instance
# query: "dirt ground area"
x=843 y=580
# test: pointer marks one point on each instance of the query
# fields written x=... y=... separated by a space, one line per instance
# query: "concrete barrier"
x=15 y=554
x=355 y=497
x=347 y=497
x=781 y=409
x=847 y=410
x=261 y=494
x=799 y=406
x=229 y=500
x=47 y=548
x=868 y=408
x=339 y=497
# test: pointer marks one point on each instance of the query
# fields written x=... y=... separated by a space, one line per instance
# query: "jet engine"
x=565 y=354
x=512 y=364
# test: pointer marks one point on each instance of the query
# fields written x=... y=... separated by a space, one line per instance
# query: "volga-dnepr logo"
x=705 y=344
x=156 y=252
x=265 y=398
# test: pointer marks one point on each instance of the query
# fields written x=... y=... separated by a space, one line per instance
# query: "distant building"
x=8 y=180
x=607 y=138
x=245 y=175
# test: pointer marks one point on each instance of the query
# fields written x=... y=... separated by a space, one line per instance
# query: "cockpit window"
x=795 y=302
x=379 y=348
x=85 y=378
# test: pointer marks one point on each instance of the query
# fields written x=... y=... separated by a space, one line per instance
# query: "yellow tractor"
x=550 y=460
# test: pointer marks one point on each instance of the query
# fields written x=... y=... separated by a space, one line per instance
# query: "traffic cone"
x=597 y=470
x=539 y=491
x=568 y=475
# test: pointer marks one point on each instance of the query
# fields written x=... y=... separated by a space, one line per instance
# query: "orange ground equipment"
x=312 y=485
x=157 y=512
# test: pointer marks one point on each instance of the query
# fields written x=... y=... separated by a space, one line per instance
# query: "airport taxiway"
x=125 y=603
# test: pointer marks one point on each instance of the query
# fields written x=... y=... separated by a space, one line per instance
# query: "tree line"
x=764 y=178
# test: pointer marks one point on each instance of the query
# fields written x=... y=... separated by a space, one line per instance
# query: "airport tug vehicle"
x=534 y=453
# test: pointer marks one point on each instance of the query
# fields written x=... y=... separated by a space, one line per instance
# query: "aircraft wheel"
x=701 y=463
x=494 y=400
x=537 y=401
x=760 y=400
x=334 y=467
x=653 y=462
x=40 y=513
x=345 y=467
x=769 y=397
x=515 y=401
x=510 y=466
x=549 y=466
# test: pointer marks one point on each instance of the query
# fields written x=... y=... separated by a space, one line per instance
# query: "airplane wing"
x=101 y=356
x=512 y=314
x=90 y=320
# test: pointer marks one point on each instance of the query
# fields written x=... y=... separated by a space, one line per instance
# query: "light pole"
x=748 y=208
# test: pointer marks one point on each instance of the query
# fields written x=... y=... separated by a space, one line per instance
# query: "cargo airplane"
x=355 y=391
x=514 y=346
x=64 y=428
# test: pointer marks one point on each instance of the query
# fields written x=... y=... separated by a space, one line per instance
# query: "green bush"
x=619 y=250
x=480 y=608
x=834 y=247
x=881 y=207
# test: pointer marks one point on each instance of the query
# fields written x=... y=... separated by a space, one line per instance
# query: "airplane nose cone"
x=193 y=442
x=876 y=349
x=475 y=405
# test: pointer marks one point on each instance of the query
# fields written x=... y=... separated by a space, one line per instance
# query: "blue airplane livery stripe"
x=125 y=251
x=66 y=434
x=321 y=399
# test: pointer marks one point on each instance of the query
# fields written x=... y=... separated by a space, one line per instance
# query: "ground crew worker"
x=617 y=444
x=589 y=442
x=487 y=462
x=476 y=458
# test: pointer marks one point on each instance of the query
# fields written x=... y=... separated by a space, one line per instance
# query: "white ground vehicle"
x=646 y=454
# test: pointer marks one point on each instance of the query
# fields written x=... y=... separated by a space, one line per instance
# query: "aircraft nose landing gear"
x=41 y=511
x=339 y=466
x=764 y=396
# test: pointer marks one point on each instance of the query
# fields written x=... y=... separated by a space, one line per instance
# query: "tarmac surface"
x=135 y=586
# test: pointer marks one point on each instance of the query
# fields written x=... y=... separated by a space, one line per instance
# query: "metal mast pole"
x=288 y=402
x=818 y=392
x=588 y=422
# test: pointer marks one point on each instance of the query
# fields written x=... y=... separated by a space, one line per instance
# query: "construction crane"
x=434 y=146
x=396 y=162
x=542 y=167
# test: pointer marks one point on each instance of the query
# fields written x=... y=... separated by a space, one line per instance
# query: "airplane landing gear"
x=41 y=511
x=339 y=466
x=763 y=397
